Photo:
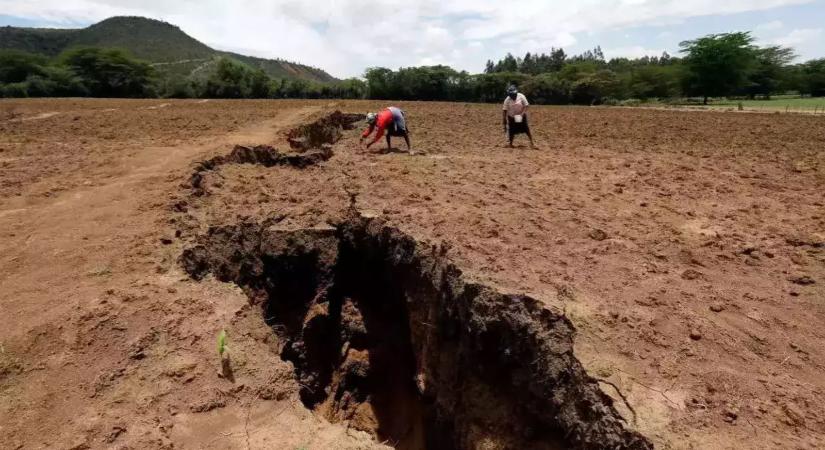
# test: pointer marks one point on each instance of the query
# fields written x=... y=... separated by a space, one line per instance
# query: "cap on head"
x=371 y=118
x=512 y=92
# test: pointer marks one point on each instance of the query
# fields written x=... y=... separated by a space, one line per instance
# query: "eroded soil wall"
x=313 y=141
x=385 y=334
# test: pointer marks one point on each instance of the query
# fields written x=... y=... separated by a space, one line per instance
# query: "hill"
x=161 y=43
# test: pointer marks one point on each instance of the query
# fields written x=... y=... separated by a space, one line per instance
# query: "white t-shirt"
x=517 y=106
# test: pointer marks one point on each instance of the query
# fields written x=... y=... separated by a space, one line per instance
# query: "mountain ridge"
x=160 y=43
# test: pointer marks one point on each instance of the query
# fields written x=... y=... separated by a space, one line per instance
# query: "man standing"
x=392 y=120
x=514 y=115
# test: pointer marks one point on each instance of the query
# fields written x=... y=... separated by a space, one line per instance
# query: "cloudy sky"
x=346 y=36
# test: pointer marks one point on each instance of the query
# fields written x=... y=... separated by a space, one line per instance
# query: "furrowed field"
x=646 y=277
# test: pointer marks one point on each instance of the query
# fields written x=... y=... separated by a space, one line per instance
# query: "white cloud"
x=346 y=36
x=633 y=51
x=798 y=37
x=769 y=26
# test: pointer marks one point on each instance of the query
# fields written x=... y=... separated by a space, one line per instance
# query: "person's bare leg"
x=407 y=140
x=389 y=143
x=530 y=136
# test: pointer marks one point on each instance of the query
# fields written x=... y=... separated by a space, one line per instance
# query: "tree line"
x=109 y=72
x=717 y=65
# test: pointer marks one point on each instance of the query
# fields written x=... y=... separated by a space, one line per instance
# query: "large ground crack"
x=386 y=335
x=313 y=142
x=326 y=130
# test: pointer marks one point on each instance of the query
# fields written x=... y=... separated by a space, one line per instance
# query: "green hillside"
x=282 y=69
x=35 y=40
x=167 y=46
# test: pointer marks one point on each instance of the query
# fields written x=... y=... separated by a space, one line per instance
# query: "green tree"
x=556 y=60
x=489 y=67
x=65 y=82
x=425 y=83
x=349 y=88
x=529 y=64
x=653 y=81
x=769 y=70
x=258 y=84
x=32 y=76
x=594 y=55
x=297 y=88
x=230 y=79
x=110 y=72
x=577 y=69
x=793 y=79
x=593 y=88
x=548 y=88
x=718 y=64
x=277 y=88
x=379 y=82
x=813 y=77
x=16 y=66
x=180 y=87
x=493 y=87
x=508 y=64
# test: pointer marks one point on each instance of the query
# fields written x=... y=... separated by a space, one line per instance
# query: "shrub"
x=15 y=90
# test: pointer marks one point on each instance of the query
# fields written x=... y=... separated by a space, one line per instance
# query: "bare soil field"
x=646 y=278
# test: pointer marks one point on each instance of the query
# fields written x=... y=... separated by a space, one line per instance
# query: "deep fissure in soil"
x=326 y=130
x=313 y=142
x=386 y=335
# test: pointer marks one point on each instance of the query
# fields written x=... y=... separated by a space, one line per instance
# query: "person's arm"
x=504 y=115
x=379 y=133
x=525 y=103
x=367 y=132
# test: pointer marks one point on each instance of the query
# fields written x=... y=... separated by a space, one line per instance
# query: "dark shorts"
x=515 y=128
x=395 y=131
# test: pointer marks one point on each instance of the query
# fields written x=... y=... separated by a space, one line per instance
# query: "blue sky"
x=346 y=36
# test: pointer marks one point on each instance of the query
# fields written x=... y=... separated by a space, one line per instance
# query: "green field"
x=779 y=103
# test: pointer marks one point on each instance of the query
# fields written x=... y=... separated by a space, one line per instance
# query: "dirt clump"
x=386 y=335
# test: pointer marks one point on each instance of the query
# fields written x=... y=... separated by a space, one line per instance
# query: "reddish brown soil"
x=688 y=249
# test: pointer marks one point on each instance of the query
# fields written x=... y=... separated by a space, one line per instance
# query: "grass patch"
x=779 y=103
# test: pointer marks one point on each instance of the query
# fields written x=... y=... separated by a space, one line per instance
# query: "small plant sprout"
x=226 y=362
x=222 y=347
